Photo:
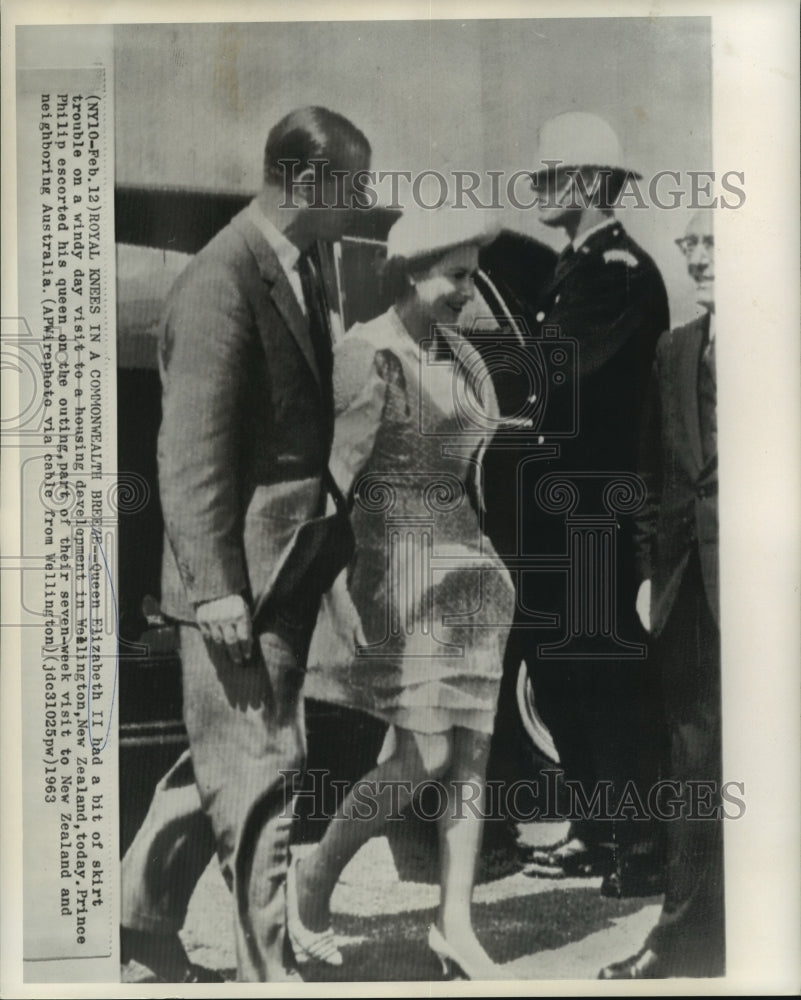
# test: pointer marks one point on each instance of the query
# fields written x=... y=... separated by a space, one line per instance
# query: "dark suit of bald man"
x=677 y=550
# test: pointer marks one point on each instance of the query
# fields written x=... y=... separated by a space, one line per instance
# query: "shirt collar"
x=577 y=242
x=285 y=250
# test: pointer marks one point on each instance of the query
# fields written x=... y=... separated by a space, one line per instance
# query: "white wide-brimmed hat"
x=577 y=139
x=422 y=231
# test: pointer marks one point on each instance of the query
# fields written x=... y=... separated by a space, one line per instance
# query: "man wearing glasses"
x=677 y=555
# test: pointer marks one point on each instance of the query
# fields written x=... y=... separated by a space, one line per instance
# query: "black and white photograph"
x=391 y=507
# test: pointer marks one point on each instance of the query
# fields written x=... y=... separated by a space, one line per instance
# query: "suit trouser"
x=606 y=726
x=245 y=726
x=603 y=713
x=690 y=934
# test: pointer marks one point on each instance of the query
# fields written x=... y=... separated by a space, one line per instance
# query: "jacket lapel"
x=280 y=290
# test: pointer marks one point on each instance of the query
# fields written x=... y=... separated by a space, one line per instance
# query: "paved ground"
x=536 y=928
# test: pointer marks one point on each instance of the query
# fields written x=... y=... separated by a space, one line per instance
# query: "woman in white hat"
x=415 y=631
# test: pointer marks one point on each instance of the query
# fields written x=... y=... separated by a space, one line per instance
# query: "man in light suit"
x=677 y=548
x=251 y=543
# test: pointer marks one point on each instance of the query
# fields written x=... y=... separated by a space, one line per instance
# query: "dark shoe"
x=629 y=881
x=644 y=965
x=569 y=850
x=543 y=852
x=570 y=859
x=200 y=974
x=164 y=956
x=502 y=853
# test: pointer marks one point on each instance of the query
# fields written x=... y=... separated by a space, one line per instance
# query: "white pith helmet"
x=579 y=139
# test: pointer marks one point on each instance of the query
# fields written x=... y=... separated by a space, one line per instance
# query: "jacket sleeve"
x=650 y=471
x=205 y=355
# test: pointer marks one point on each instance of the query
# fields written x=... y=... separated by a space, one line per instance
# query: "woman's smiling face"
x=447 y=286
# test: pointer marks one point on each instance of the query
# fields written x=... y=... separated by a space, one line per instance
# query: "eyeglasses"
x=689 y=243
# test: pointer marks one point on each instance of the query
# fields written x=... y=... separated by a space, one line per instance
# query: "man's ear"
x=596 y=181
x=305 y=186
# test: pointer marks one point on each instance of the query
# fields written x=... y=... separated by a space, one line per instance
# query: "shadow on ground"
x=394 y=947
x=414 y=845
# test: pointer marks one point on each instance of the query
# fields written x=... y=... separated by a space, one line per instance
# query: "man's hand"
x=644 y=604
x=226 y=622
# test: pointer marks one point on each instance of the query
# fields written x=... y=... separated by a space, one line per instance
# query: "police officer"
x=607 y=297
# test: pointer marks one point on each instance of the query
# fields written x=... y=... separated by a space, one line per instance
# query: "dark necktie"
x=707 y=401
x=564 y=262
x=319 y=330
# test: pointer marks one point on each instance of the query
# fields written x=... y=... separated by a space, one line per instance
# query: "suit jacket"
x=245 y=434
x=681 y=512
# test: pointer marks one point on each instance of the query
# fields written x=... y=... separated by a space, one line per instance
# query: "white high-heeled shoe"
x=308 y=946
x=453 y=962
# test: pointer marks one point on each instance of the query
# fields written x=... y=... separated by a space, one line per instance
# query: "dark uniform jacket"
x=681 y=511
x=609 y=298
x=245 y=434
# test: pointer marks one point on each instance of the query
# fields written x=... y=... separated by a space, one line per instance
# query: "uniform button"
x=540 y=316
x=540 y=439
x=701 y=492
x=557 y=298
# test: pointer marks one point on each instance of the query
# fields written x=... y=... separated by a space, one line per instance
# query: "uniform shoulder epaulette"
x=624 y=256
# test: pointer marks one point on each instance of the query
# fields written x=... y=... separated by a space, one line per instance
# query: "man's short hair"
x=308 y=135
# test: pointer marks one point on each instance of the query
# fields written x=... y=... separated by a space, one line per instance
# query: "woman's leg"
x=387 y=788
x=460 y=829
